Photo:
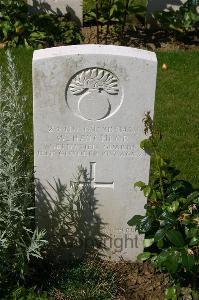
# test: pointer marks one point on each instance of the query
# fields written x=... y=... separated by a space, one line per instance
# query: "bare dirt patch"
x=139 y=281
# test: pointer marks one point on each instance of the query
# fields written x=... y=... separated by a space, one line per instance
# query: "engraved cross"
x=94 y=183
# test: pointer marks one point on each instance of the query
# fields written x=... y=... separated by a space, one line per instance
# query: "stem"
x=108 y=23
x=124 y=20
x=194 y=280
x=160 y=172
x=101 y=10
x=97 y=20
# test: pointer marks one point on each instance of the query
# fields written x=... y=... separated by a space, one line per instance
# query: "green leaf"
x=113 y=8
x=148 y=242
x=147 y=191
x=145 y=225
x=175 y=237
x=102 y=20
x=144 y=256
x=140 y=184
x=173 y=207
x=172 y=261
x=196 y=200
x=182 y=200
x=159 y=235
x=194 y=197
x=160 y=244
x=167 y=218
x=188 y=261
x=154 y=195
x=135 y=220
x=147 y=146
x=115 y=19
x=38 y=35
x=178 y=186
x=194 y=241
x=161 y=161
x=170 y=293
x=92 y=14
x=193 y=232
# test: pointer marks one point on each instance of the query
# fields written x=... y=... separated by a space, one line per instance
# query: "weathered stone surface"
x=59 y=7
x=89 y=102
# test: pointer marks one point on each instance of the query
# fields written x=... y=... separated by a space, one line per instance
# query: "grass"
x=176 y=108
x=87 y=280
x=176 y=111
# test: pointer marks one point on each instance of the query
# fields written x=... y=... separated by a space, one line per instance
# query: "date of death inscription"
x=93 y=141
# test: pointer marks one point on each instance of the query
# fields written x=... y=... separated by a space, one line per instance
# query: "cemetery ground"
x=176 y=115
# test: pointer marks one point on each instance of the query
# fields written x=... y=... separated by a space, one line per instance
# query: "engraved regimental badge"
x=94 y=94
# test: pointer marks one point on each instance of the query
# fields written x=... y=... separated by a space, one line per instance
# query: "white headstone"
x=59 y=7
x=156 y=5
x=89 y=103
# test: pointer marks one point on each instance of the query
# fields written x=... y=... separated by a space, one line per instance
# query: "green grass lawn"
x=177 y=111
x=176 y=108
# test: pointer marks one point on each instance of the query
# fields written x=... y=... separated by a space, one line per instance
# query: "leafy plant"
x=18 y=27
x=56 y=30
x=19 y=241
x=171 y=223
x=119 y=13
x=22 y=293
x=184 y=20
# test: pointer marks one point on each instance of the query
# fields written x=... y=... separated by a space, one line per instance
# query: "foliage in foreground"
x=171 y=224
x=22 y=293
x=18 y=239
x=18 y=27
x=88 y=279
x=183 y=21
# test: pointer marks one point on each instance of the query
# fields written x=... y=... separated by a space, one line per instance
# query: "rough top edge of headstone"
x=94 y=49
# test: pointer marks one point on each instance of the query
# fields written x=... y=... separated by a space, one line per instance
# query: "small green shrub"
x=171 y=224
x=22 y=293
x=119 y=13
x=19 y=241
x=182 y=21
x=18 y=27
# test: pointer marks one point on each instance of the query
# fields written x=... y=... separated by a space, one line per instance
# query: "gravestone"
x=89 y=103
x=59 y=7
x=154 y=5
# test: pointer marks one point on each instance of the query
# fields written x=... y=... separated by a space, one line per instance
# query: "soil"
x=144 y=39
x=134 y=281
x=137 y=281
